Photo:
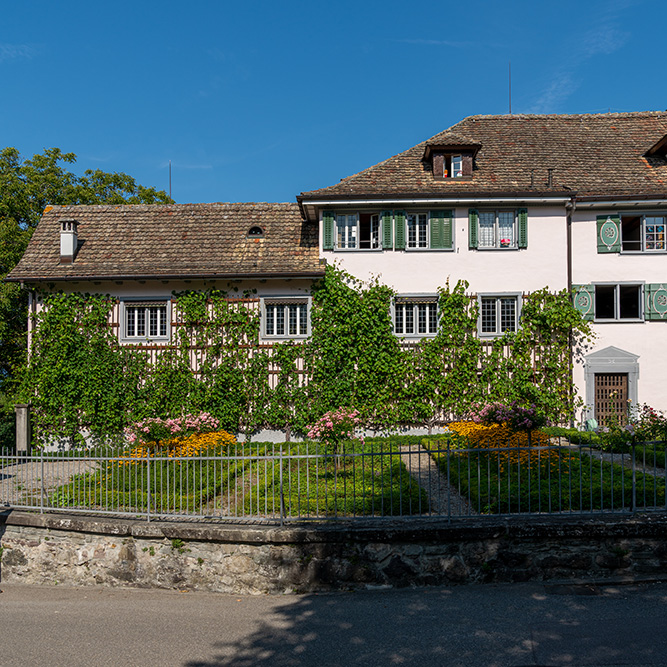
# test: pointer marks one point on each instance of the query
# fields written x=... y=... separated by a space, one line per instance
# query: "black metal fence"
x=264 y=482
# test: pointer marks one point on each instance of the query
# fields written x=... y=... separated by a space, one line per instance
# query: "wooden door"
x=611 y=398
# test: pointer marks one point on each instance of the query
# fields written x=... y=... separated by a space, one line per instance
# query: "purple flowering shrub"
x=518 y=417
x=153 y=430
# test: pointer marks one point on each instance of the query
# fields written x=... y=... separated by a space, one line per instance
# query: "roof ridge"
x=615 y=114
x=127 y=205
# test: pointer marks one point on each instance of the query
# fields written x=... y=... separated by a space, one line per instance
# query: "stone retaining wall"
x=74 y=550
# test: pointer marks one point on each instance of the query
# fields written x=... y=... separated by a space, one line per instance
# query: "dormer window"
x=451 y=159
x=454 y=165
x=255 y=232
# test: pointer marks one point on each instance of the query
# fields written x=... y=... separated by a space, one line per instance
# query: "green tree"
x=26 y=188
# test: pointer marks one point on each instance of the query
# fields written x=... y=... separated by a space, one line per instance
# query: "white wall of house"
x=543 y=263
x=164 y=288
x=647 y=339
x=589 y=266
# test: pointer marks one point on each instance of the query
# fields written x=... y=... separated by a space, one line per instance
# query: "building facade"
x=511 y=204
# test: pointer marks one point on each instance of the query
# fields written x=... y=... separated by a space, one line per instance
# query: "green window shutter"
x=387 y=238
x=609 y=233
x=522 y=214
x=399 y=225
x=583 y=298
x=448 y=230
x=473 y=226
x=655 y=302
x=437 y=222
x=328 y=220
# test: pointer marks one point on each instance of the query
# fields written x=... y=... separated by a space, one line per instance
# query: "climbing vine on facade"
x=82 y=381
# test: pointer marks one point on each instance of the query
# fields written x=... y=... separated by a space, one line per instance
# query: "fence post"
x=23 y=430
x=148 y=483
x=634 y=476
x=42 y=490
x=282 y=496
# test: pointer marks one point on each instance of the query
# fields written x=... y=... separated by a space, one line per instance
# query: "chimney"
x=68 y=240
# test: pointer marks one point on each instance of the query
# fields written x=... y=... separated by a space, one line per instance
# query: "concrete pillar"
x=23 y=431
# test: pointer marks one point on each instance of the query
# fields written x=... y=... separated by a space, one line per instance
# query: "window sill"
x=429 y=249
x=356 y=250
x=145 y=341
x=282 y=339
x=503 y=249
x=627 y=320
x=642 y=252
x=414 y=338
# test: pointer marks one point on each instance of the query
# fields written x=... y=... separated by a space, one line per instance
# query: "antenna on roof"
x=169 y=179
x=510 y=82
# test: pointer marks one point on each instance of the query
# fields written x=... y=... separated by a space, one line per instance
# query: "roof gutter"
x=590 y=202
x=562 y=199
x=172 y=276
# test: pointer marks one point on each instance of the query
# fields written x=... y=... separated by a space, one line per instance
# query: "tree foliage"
x=27 y=186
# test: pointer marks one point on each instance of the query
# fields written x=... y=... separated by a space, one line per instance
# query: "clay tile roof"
x=448 y=138
x=592 y=154
x=198 y=240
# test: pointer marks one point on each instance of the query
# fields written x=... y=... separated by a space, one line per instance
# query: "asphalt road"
x=518 y=624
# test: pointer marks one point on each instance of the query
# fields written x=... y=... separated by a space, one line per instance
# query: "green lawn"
x=246 y=481
x=541 y=480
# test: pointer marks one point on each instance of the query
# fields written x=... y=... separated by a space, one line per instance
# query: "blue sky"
x=258 y=101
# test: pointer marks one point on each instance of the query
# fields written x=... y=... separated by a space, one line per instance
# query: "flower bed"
x=502 y=471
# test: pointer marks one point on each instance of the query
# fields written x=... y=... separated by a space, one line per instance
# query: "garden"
x=169 y=431
x=501 y=460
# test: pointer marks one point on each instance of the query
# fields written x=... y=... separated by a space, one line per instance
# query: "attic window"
x=452 y=165
x=255 y=232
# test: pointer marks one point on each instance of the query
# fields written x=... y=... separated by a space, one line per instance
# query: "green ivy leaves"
x=80 y=379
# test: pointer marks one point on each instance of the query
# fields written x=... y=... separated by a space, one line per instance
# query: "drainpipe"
x=570 y=208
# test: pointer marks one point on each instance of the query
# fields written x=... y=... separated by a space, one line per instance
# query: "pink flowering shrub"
x=518 y=417
x=151 y=431
x=334 y=427
x=649 y=423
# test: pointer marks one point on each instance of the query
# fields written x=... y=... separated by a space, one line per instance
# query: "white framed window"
x=643 y=233
x=145 y=320
x=416 y=316
x=452 y=166
x=498 y=313
x=418 y=230
x=497 y=229
x=618 y=302
x=287 y=317
x=357 y=231
x=457 y=166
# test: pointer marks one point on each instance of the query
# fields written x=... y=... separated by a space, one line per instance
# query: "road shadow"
x=485 y=625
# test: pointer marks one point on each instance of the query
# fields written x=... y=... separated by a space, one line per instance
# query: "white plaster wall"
x=646 y=339
x=164 y=288
x=542 y=264
x=589 y=266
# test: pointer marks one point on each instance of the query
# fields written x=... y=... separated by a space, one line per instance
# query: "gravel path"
x=23 y=483
x=443 y=498
x=625 y=460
